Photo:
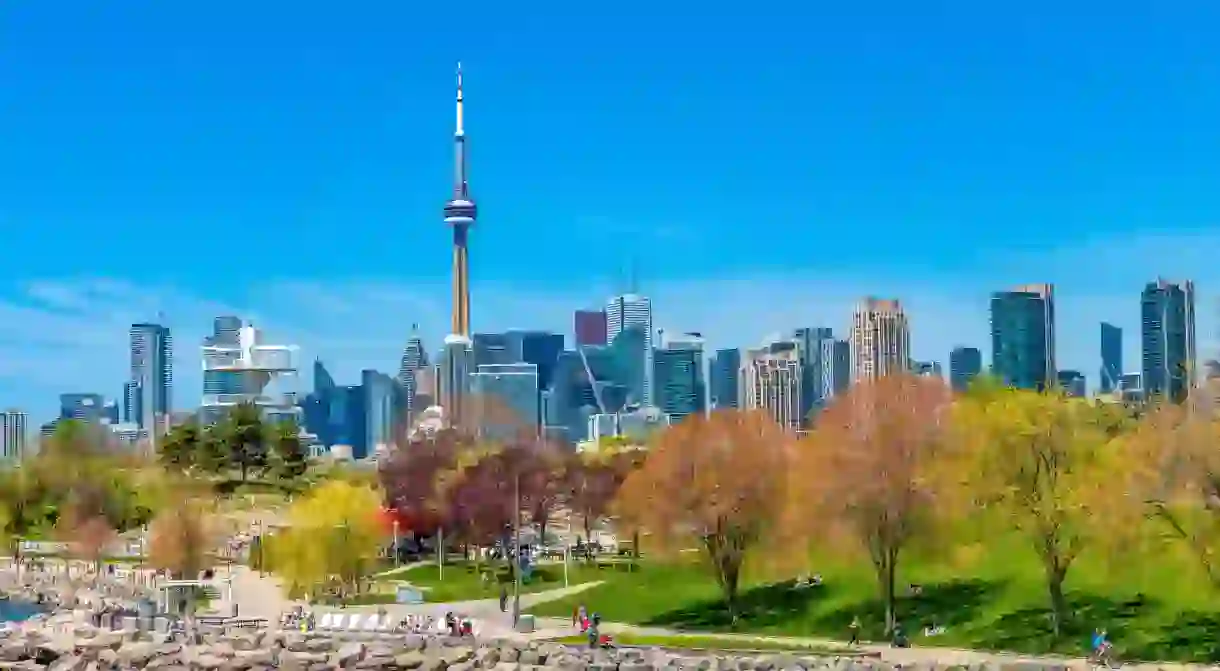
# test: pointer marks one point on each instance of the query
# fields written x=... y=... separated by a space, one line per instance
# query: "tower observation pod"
x=460 y=214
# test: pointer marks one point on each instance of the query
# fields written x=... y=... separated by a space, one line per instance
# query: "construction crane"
x=597 y=394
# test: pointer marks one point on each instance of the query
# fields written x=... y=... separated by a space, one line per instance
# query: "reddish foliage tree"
x=863 y=471
x=87 y=534
x=414 y=478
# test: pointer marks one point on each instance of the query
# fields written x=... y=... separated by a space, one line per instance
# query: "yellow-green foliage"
x=333 y=538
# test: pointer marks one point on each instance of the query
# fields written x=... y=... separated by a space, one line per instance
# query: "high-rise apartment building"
x=382 y=398
x=492 y=349
x=927 y=369
x=880 y=339
x=248 y=370
x=627 y=311
x=152 y=368
x=965 y=364
x=771 y=382
x=723 y=373
x=1167 y=339
x=1111 y=358
x=1023 y=336
x=590 y=327
x=679 y=376
x=540 y=348
x=14 y=427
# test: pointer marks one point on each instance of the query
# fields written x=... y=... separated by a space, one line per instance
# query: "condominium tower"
x=633 y=311
x=771 y=381
x=1167 y=339
x=880 y=339
x=1023 y=336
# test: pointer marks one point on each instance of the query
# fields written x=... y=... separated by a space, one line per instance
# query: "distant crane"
x=597 y=394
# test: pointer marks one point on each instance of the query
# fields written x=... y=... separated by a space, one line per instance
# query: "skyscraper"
x=880 y=339
x=836 y=369
x=633 y=310
x=809 y=351
x=89 y=408
x=381 y=402
x=771 y=382
x=965 y=364
x=1167 y=339
x=414 y=359
x=505 y=400
x=590 y=327
x=460 y=214
x=455 y=369
x=1023 y=336
x=152 y=368
x=1111 y=358
x=679 y=376
x=723 y=372
x=13 y=435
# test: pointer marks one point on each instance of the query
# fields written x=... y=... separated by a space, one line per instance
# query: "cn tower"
x=460 y=213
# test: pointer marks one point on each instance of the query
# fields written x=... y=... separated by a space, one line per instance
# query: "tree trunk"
x=1054 y=585
x=542 y=530
x=886 y=565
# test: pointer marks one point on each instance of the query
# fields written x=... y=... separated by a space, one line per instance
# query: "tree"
x=861 y=472
x=182 y=538
x=88 y=535
x=719 y=479
x=592 y=483
x=178 y=450
x=289 y=460
x=244 y=439
x=542 y=486
x=1171 y=471
x=1041 y=463
x=413 y=478
x=334 y=536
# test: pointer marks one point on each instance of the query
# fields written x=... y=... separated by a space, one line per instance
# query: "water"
x=12 y=610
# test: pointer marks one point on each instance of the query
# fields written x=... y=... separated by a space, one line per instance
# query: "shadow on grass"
x=1192 y=635
x=783 y=608
x=950 y=604
x=1029 y=629
x=766 y=606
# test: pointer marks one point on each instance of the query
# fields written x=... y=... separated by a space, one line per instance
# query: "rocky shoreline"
x=89 y=649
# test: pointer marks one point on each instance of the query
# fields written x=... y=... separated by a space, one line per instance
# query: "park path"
x=261 y=596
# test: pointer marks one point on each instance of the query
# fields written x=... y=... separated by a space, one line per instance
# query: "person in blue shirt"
x=1101 y=645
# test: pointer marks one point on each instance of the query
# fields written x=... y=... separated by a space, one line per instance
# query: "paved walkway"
x=261 y=596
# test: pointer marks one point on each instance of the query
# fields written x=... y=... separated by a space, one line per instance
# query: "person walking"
x=503 y=599
x=854 y=628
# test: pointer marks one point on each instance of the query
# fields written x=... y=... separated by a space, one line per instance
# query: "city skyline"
x=583 y=168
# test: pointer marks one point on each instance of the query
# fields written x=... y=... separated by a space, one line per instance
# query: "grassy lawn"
x=711 y=642
x=462 y=582
x=1154 y=607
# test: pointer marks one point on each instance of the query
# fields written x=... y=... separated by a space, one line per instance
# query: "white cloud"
x=70 y=334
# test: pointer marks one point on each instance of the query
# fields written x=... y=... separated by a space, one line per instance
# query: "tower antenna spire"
x=460 y=215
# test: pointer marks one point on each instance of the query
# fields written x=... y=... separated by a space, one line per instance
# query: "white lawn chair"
x=371 y=625
x=387 y=625
x=353 y=623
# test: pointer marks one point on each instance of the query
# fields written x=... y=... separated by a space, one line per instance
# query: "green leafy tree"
x=288 y=458
x=179 y=449
x=243 y=438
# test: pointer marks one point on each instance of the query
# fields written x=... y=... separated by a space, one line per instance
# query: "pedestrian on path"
x=854 y=627
x=503 y=599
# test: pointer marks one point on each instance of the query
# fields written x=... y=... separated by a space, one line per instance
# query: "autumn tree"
x=719 y=480
x=1171 y=471
x=414 y=479
x=182 y=539
x=592 y=481
x=334 y=535
x=861 y=473
x=1040 y=463
x=87 y=534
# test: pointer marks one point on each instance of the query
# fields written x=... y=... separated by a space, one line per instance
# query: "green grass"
x=711 y=642
x=1155 y=607
x=461 y=581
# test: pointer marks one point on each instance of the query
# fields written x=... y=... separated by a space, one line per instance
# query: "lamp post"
x=517 y=548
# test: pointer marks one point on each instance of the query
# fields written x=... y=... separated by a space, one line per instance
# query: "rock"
x=350 y=653
x=13 y=651
x=409 y=660
x=209 y=661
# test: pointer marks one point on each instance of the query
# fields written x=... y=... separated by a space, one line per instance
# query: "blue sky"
x=762 y=166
